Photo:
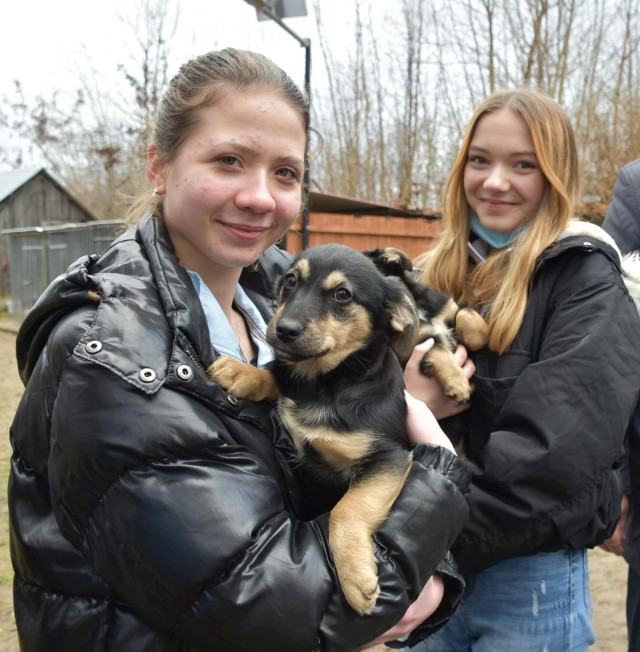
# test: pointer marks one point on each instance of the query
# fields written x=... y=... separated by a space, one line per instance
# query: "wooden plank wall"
x=412 y=235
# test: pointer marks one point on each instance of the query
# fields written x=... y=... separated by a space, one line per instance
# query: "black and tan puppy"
x=440 y=318
x=449 y=325
x=337 y=334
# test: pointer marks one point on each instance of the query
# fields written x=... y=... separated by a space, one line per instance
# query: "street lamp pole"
x=267 y=7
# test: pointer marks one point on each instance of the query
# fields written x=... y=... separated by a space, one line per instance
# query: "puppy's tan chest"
x=341 y=450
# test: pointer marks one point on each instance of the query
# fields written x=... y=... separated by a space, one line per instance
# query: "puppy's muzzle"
x=288 y=330
x=294 y=339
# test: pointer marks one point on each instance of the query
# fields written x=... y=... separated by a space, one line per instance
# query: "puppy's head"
x=332 y=301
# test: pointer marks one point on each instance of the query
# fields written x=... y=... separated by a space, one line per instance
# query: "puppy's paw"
x=243 y=380
x=457 y=388
x=360 y=586
x=441 y=364
x=472 y=329
x=226 y=372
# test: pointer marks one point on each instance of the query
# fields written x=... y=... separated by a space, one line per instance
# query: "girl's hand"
x=429 y=390
x=615 y=543
x=422 y=426
x=426 y=604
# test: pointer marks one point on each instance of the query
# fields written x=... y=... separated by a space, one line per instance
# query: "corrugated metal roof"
x=11 y=180
x=322 y=202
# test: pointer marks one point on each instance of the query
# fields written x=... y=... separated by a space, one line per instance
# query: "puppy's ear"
x=403 y=318
x=390 y=261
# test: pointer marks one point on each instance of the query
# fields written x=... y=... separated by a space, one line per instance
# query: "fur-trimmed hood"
x=629 y=263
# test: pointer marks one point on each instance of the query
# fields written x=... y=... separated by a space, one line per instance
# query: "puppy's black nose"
x=287 y=330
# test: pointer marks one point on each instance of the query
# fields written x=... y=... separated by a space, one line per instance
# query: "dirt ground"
x=608 y=573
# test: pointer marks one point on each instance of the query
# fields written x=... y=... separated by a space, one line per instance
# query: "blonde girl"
x=554 y=390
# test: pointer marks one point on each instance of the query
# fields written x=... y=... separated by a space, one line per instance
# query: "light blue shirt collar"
x=222 y=336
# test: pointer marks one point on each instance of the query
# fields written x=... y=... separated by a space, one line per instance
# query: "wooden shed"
x=32 y=197
x=362 y=225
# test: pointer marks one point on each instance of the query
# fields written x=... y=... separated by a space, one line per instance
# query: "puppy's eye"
x=342 y=295
x=289 y=281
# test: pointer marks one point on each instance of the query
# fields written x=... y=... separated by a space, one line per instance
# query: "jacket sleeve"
x=176 y=504
x=622 y=221
x=544 y=477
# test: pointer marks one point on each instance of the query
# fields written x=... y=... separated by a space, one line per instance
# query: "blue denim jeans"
x=540 y=603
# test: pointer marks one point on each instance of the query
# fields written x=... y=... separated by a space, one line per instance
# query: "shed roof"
x=12 y=180
x=323 y=202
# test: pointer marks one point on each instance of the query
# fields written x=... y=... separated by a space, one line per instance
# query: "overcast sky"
x=43 y=42
x=46 y=45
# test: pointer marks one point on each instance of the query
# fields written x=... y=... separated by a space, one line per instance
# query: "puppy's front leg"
x=352 y=524
x=243 y=380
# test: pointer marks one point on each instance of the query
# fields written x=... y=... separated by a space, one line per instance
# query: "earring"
x=155 y=192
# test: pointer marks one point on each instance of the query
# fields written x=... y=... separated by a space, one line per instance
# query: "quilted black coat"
x=150 y=512
x=548 y=417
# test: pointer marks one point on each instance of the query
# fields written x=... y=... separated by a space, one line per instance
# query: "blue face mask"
x=495 y=239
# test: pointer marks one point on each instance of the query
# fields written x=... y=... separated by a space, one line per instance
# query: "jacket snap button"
x=93 y=347
x=232 y=399
x=184 y=372
x=147 y=375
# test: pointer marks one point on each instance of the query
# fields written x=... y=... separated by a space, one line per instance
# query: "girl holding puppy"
x=150 y=511
x=554 y=390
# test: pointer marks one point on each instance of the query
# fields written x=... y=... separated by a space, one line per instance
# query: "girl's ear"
x=155 y=170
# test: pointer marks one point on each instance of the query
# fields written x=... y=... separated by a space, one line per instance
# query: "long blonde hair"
x=500 y=285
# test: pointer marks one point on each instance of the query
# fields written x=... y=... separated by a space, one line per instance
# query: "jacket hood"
x=591 y=236
x=137 y=280
x=135 y=284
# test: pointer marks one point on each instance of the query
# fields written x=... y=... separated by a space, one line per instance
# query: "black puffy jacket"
x=150 y=512
x=548 y=417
